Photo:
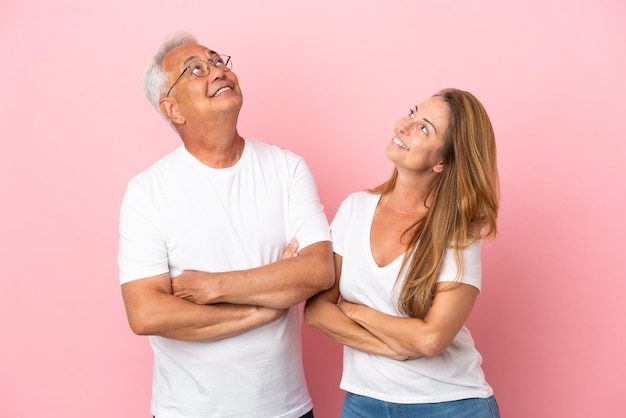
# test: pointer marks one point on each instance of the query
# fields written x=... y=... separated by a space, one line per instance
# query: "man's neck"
x=216 y=149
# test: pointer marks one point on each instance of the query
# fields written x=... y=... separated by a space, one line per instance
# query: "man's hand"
x=196 y=286
x=193 y=286
x=291 y=250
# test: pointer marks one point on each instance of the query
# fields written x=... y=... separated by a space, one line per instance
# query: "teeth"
x=220 y=91
x=400 y=143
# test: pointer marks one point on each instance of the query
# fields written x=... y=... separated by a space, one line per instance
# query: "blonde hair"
x=463 y=201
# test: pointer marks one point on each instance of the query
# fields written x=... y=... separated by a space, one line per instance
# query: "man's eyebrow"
x=195 y=57
x=431 y=124
x=191 y=58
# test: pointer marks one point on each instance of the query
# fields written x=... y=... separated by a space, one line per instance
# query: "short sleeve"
x=308 y=222
x=339 y=225
x=142 y=249
x=472 y=268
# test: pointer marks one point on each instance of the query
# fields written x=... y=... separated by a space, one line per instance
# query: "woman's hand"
x=352 y=310
x=348 y=308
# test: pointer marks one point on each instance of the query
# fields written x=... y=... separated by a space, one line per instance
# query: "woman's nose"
x=404 y=125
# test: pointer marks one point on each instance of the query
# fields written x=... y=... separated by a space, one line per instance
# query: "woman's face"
x=418 y=138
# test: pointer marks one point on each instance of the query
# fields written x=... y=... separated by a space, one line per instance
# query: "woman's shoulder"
x=356 y=204
x=362 y=198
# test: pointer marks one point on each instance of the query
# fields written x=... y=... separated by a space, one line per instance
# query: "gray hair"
x=154 y=76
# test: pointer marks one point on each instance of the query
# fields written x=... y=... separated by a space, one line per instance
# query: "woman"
x=407 y=257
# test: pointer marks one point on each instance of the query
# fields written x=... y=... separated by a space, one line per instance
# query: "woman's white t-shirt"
x=455 y=373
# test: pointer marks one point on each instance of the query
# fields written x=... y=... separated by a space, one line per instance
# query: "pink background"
x=327 y=79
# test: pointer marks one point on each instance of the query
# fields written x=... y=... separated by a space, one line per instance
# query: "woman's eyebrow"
x=431 y=124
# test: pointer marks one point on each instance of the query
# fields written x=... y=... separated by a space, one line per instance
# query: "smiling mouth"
x=220 y=91
x=400 y=143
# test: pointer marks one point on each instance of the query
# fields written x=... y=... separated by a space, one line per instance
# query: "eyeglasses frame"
x=210 y=60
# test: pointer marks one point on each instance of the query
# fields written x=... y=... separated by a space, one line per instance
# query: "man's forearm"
x=278 y=285
x=152 y=310
x=222 y=321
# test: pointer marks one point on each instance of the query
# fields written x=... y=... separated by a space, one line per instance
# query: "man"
x=202 y=233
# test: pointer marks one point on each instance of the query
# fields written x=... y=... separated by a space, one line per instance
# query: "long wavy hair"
x=463 y=202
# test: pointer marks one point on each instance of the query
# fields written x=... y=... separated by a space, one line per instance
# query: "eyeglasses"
x=201 y=68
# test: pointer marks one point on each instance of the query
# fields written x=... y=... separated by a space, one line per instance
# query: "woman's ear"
x=171 y=111
x=439 y=167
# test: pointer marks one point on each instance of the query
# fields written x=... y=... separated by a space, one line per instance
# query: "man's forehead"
x=183 y=54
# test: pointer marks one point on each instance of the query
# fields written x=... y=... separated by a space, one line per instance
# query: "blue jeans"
x=357 y=406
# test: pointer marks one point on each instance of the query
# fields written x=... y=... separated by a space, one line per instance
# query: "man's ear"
x=170 y=109
x=439 y=167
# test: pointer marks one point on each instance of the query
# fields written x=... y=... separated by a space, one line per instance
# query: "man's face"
x=199 y=98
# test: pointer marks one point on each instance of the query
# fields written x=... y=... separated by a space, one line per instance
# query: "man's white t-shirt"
x=455 y=373
x=183 y=215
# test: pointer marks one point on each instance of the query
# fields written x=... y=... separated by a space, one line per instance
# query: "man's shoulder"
x=159 y=167
x=265 y=149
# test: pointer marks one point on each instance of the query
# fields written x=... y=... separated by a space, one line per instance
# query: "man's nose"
x=215 y=73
